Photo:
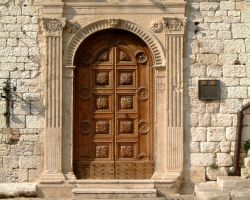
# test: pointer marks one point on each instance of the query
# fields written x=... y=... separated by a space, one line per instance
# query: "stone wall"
x=21 y=61
x=217 y=46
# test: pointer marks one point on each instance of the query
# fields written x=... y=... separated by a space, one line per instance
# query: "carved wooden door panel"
x=113 y=109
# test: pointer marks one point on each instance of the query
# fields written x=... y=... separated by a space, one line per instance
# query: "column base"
x=52 y=178
x=167 y=176
x=70 y=176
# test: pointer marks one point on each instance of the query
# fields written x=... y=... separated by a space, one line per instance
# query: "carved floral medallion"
x=102 y=78
x=126 y=127
x=102 y=127
x=127 y=151
x=102 y=102
x=126 y=78
x=102 y=151
x=126 y=102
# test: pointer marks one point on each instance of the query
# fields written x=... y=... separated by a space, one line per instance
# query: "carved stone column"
x=68 y=88
x=53 y=134
x=169 y=85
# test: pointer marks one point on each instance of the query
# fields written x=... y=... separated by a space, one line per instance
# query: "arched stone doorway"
x=113 y=110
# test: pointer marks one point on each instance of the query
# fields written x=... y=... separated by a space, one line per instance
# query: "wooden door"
x=113 y=108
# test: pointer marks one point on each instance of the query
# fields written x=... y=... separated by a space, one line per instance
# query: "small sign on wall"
x=209 y=89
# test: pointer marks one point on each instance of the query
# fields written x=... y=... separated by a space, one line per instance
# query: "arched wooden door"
x=113 y=136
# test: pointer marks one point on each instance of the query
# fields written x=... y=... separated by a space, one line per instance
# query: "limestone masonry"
x=216 y=45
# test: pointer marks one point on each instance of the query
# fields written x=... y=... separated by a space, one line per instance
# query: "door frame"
x=168 y=141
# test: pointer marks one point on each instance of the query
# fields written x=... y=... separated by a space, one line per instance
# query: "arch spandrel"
x=153 y=44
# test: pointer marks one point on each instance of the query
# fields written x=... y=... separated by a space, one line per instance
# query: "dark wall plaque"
x=209 y=89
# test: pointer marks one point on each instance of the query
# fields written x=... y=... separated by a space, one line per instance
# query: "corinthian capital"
x=53 y=26
x=174 y=24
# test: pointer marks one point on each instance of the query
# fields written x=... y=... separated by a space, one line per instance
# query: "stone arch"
x=83 y=33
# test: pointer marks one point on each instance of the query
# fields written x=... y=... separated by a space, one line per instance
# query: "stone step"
x=210 y=191
x=97 y=193
x=114 y=184
x=232 y=182
x=240 y=194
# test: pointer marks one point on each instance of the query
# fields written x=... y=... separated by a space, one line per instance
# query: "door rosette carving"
x=143 y=127
x=84 y=93
x=142 y=93
x=141 y=57
x=85 y=127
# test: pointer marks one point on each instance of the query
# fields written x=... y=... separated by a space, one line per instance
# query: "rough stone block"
x=29 y=162
x=199 y=134
x=234 y=46
x=208 y=59
x=220 y=26
x=240 y=30
x=230 y=106
x=237 y=92
x=211 y=46
x=209 y=6
x=224 y=160
x=216 y=134
x=231 y=133
x=224 y=35
x=209 y=147
x=234 y=71
x=17 y=121
x=227 y=5
x=221 y=120
x=34 y=121
x=214 y=71
x=195 y=147
x=202 y=159
x=10 y=161
x=225 y=146
x=4 y=149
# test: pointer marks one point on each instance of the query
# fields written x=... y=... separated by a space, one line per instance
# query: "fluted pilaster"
x=53 y=134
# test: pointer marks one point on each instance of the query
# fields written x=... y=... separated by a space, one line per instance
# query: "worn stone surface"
x=18 y=189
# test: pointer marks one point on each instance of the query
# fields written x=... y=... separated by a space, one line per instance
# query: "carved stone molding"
x=53 y=26
x=174 y=24
x=71 y=27
x=169 y=25
x=83 y=33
